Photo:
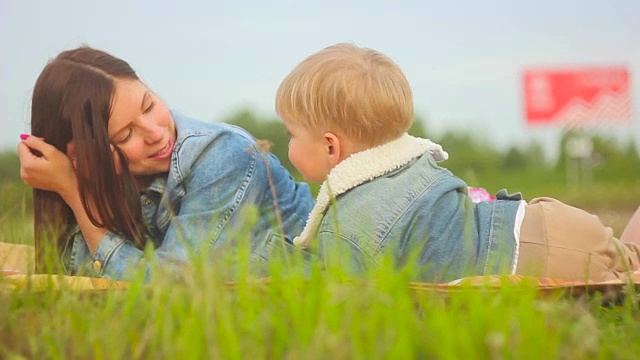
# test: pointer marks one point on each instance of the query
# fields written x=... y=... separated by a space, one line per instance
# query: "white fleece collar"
x=362 y=167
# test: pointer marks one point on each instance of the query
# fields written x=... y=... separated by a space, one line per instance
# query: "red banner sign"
x=577 y=96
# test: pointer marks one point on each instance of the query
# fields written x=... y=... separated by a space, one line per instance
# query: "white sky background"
x=209 y=59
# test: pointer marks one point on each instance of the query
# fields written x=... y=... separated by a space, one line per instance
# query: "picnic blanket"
x=17 y=264
x=16 y=258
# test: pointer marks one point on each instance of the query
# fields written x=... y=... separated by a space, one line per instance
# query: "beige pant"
x=563 y=242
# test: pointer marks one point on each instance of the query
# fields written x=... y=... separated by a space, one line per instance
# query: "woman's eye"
x=127 y=137
x=149 y=108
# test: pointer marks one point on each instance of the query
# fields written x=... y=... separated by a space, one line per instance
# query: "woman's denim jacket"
x=217 y=171
x=395 y=200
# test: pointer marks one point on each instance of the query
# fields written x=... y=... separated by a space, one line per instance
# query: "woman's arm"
x=631 y=233
x=227 y=177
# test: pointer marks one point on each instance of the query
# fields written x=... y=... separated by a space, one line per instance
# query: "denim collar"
x=158 y=184
x=365 y=166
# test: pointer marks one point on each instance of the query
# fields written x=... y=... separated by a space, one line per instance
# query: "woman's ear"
x=117 y=161
x=71 y=152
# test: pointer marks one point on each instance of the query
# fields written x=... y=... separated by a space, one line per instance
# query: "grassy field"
x=320 y=315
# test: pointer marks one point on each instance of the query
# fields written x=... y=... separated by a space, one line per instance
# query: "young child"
x=347 y=110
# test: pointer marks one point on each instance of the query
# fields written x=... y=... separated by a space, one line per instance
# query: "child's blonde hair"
x=359 y=92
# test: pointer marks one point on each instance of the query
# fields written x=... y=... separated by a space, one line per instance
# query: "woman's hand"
x=52 y=170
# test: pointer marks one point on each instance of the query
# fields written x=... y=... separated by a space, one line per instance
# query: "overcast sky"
x=209 y=59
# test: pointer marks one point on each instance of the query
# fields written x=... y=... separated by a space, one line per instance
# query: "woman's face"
x=142 y=127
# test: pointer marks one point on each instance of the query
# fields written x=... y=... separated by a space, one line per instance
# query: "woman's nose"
x=153 y=133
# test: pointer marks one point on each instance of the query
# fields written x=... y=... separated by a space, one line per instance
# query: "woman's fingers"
x=43 y=166
x=24 y=152
x=39 y=146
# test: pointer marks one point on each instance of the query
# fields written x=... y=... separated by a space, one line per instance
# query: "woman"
x=115 y=170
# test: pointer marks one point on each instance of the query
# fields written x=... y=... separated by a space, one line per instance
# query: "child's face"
x=308 y=152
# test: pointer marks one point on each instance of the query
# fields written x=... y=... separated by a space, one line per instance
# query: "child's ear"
x=334 y=148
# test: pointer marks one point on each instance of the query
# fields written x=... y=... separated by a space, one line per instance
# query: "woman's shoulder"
x=191 y=128
x=210 y=145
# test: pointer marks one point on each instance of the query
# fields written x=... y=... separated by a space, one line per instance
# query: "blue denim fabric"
x=216 y=172
x=419 y=213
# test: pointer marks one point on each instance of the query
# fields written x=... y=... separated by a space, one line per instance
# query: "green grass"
x=318 y=315
x=16 y=219
x=315 y=317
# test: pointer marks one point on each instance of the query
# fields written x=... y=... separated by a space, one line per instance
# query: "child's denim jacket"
x=395 y=200
x=217 y=171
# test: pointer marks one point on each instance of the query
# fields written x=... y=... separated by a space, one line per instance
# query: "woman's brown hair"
x=72 y=101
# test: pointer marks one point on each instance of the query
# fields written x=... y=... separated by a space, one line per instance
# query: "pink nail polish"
x=24 y=136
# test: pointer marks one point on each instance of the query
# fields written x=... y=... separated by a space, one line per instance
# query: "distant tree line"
x=474 y=159
x=472 y=155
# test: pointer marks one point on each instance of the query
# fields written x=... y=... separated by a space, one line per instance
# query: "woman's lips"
x=164 y=153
